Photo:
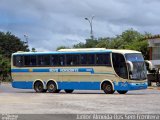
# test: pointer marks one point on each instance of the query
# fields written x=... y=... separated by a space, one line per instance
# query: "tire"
x=107 y=88
x=68 y=91
x=52 y=87
x=122 y=91
x=38 y=87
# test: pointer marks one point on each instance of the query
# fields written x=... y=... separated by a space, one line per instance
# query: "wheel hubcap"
x=108 y=88
x=51 y=87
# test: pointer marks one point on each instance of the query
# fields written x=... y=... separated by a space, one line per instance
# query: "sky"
x=49 y=24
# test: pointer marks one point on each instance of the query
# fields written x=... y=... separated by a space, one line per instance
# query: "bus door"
x=119 y=65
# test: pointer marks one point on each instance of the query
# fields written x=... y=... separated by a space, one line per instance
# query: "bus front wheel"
x=107 y=88
x=52 y=88
x=122 y=91
x=68 y=91
x=38 y=87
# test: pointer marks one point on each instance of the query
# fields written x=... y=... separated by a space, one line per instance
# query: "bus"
x=109 y=70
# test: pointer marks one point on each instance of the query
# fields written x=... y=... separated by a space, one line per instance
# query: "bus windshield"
x=139 y=69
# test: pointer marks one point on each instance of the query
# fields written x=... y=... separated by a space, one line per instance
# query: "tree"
x=4 y=68
x=129 y=39
x=33 y=50
x=90 y=43
x=79 y=45
x=62 y=47
x=9 y=44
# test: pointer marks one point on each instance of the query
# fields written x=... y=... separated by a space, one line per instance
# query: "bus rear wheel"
x=122 y=91
x=68 y=91
x=107 y=88
x=38 y=87
x=52 y=88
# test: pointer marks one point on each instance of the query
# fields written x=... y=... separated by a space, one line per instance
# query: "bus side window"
x=103 y=59
x=18 y=60
x=54 y=60
x=72 y=60
x=61 y=60
x=43 y=60
x=91 y=59
x=83 y=59
x=33 y=61
x=75 y=59
x=30 y=60
x=26 y=60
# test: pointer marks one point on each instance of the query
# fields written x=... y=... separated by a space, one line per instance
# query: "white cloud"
x=51 y=23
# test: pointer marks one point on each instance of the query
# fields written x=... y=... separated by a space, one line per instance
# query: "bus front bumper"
x=130 y=86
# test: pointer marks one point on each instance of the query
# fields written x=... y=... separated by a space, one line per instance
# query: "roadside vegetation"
x=9 y=44
x=129 y=39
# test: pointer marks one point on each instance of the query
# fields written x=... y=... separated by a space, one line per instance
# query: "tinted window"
x=43 y=60
x=54 y=60
x=72 y=60
x=57 y=60
x=61 y=60
x=103 y=59
x=87 y=59
x=18 y=60
x=83 y=59
x=30 y=60
x=91 y=59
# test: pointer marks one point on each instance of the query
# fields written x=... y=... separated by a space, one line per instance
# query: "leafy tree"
x=33 y=50
x=9 y=44
x=4 y=68
x=79 y=45
x=62 y=47
x=90 y=43
x=129 y=39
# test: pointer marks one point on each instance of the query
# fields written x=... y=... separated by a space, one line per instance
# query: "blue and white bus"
x=79 y=69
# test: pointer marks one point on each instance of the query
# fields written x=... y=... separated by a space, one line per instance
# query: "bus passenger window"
x=91 y=59
x=43 y=60
x=61 y=60
x=18 y=61
x=72 y=60
x=33 y=61
x=83 y=59
x=26 y=60
x=75 y=59
x=103 y=59
x=54 y=60
x=30 y=60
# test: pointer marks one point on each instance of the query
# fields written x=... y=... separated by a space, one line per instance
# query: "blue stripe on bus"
x=19 y=70
x=129 y=86
x=22 y=84
x=79 y=85
x=55 y=70
x=61 y=85
x=40 y=70
x=84 y=85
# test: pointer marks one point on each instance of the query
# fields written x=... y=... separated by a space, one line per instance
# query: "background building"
x=154 y=47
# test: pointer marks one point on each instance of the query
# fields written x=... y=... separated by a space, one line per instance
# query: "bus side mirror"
x=149 y=65
x=130 y=64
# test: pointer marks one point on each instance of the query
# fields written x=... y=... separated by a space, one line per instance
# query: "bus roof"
x=83 y=50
